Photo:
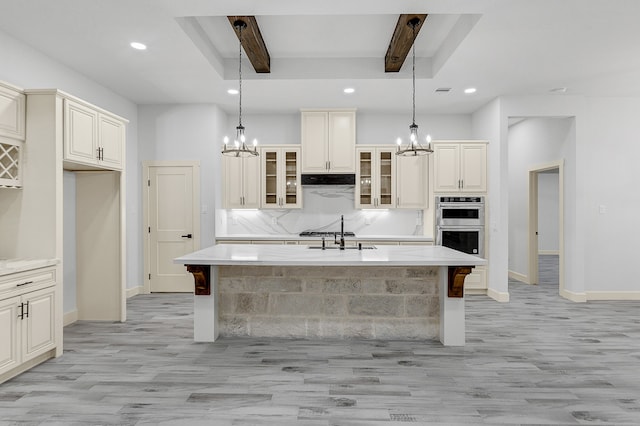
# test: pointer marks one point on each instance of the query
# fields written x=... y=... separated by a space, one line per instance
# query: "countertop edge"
x=23 y=265
x=293 y=237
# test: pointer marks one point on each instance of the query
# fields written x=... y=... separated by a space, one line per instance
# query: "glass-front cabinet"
x=281 y=177
x=375 y=177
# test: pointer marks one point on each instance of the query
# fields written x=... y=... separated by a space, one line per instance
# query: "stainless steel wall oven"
x=460 y=224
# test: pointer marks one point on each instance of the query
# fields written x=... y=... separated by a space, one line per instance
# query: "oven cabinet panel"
x=375 y=178
x=477 y=279
x=460 y=167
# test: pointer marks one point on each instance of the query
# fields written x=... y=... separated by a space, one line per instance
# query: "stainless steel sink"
x=346 y=248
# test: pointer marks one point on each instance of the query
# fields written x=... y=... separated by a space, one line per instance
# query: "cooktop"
x=325 y=234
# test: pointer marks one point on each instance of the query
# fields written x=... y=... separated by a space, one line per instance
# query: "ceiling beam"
x=252 y=43
x=401 y=42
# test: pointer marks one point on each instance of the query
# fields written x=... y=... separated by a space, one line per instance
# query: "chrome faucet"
x=341 y=232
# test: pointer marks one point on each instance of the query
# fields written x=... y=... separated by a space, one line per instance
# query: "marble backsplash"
x=323 y=206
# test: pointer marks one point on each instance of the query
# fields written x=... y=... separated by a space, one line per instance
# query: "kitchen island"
x=387 y=292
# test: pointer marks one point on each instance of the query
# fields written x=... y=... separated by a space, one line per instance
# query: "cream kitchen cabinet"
x=280 y=182
x=412 y=182
x=92 y=137
x=328 y=141
x=12 y=112
x=27 y=319
x=375 y=177
x=12 y=135
x=241 y=182
x=460 y=167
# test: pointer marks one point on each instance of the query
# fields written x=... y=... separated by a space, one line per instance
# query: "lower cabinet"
x=27 y=321
x=27 y=326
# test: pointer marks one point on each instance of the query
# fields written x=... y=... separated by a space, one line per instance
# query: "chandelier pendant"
x=414 y=147
x=239 y=148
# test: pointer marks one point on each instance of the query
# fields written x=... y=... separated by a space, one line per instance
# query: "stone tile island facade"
x=329 y=301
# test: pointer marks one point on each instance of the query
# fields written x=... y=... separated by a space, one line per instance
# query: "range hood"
x=329 y=179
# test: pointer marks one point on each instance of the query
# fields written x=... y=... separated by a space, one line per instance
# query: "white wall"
x=532 y=143
x=186 y=132
x=26 y=67
x=609 y=173
x=548 y=209
x=487 y=124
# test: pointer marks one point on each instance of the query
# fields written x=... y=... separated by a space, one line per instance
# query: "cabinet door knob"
x=187 y=236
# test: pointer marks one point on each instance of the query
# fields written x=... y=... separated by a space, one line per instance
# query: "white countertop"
x=301 y=255
x=13 y=266
x=296 y=237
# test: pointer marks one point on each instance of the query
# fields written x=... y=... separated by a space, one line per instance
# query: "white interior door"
x=173 y=225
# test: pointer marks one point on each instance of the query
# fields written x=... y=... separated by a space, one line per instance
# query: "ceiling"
x=501 y=47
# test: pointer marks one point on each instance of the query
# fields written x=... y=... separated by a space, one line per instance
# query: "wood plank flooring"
x=539 y=359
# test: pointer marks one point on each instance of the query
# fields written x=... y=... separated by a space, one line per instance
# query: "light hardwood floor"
x=539 y=359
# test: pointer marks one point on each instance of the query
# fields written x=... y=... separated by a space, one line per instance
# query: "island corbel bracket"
x=202 y=277
x=455 y=284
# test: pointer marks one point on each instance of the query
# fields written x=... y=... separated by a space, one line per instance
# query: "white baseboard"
x=613 y=295
x=133 y=291
x=553 y=252
x=498 y=296
x=70 y=318
x=574 y=297
x=519 y=277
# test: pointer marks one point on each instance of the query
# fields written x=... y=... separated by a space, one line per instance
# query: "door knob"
x=187 y=236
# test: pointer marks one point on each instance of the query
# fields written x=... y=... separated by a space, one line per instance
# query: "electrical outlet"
x=603 y=209
x=234 y=220
x=367 y=221
x=274 y=220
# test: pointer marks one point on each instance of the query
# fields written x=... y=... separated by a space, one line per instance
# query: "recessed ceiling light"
x=232 y=91
x=470 y=90
x=558 y=90
x=349 y=90
x=138 y=46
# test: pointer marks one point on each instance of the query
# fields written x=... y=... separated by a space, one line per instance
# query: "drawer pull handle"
x=28 y=282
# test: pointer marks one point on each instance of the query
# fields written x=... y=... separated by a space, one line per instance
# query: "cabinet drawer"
x=28 y=281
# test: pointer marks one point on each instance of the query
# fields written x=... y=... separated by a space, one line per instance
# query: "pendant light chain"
x=413 y=71
x=240 y=75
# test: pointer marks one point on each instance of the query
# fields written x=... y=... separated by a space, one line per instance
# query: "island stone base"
x=329 y=302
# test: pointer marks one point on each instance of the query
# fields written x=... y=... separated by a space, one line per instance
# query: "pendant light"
x=414 y=147
x=240 y=147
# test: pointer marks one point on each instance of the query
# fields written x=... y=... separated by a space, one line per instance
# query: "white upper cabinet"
x=412 y=182
x=80 y=133
x=460 y=166
x=280 y=177
x=111 y=139
x=375 y=177
x=328 y=141
x=12 y=112
x=241 y=182
x=12 y=135
x=92 y=138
